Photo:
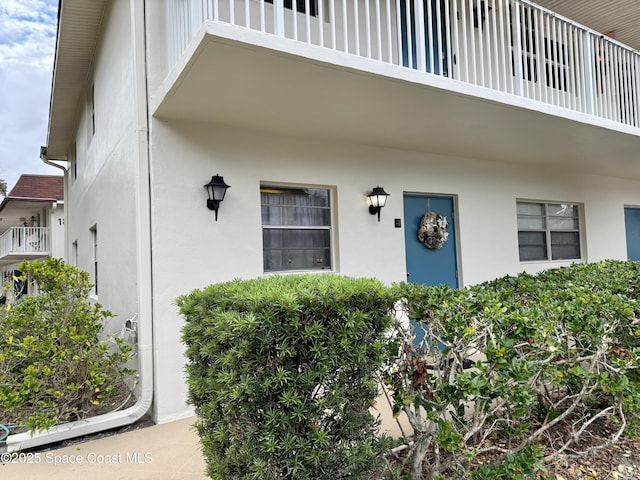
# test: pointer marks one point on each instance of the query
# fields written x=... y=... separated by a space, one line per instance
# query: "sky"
x=27 y=45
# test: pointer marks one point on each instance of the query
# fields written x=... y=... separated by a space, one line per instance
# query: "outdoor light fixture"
x=216 y=189
x=377 y=199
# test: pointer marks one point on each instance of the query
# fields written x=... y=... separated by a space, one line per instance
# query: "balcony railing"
x=511 y=46
x=26 y=241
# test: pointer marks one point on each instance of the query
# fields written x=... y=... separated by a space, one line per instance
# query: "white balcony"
x=24 y=243
x=512 y=46
x=504 y=80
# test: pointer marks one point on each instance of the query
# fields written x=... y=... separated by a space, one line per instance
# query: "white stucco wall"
x=103 y=193
x=191 y=250
x=57 y=228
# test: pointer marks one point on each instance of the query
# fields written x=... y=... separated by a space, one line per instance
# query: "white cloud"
x=27 y=32
x=27 y=42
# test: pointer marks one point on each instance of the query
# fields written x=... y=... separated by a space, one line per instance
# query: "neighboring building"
x=516 y=123
x=31 y=225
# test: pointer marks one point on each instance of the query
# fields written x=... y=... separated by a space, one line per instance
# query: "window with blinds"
x=296 y=228
x=548 y=231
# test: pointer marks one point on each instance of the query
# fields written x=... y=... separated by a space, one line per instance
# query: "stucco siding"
x=191 y=250
x=101 y=189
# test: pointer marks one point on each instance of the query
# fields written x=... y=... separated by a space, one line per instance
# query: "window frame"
x=94 y=248
x=92 y=112
x=548 y=230
x=301 y=6
x=554 y=55
x=73 y=157
x=330 y=228
x=74 y=252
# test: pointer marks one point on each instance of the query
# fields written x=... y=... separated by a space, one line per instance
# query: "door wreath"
x=433 y=230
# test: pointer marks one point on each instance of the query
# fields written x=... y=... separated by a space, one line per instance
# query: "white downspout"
x=144 y=268
x=65 y=170
x=48 y=161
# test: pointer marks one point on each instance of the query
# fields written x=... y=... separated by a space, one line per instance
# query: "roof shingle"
x=38 y=187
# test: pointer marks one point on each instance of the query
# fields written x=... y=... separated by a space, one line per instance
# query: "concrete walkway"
x=161 y=452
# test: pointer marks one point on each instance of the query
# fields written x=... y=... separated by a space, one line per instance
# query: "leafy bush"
x=282 y=371
x=53 y=366
x=518 y=371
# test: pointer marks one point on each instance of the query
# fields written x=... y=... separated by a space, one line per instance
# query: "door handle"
x=408 y=274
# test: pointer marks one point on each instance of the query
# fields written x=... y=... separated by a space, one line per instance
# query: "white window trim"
x=74 y=253
x=581 y=233
x=74 y=163
x=538 y=55
x=332 y=227
x=91 y=113
x=94 y=259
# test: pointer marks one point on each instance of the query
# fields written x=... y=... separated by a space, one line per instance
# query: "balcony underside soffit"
x=306 y=91
x=618 y=18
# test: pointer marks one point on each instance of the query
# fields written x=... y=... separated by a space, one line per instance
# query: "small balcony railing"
x=26 y=241
x=511 y=46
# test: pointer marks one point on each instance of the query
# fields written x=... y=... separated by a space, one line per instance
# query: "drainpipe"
x=48 y=161
x=144 y=268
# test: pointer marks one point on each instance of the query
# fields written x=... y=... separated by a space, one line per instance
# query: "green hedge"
x=516 y=371
x=282 y=372
x=54 y=365
x=511 y=373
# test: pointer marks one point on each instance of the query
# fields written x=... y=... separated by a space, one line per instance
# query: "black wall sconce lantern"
x=216 y=189
x=377 y=199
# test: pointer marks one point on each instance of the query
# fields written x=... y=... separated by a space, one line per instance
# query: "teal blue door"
x=632 y=225
x=426 y=265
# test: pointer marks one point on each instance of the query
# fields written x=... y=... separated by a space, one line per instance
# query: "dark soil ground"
x=620 y=462
x=617 y=462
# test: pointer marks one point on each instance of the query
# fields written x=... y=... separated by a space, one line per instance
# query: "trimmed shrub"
x=54 y=368
x=516 y=372
x=282 y=372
